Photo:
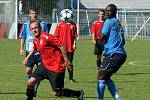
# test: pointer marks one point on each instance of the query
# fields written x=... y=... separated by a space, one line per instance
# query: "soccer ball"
x=66 y=15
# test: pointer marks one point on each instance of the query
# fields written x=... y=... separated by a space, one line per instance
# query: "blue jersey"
x=28 y=36
x=114 y=33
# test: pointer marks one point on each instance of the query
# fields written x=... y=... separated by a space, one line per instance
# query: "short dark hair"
x=102 y=10
x=33 y=9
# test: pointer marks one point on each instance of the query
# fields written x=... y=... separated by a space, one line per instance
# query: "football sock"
x=101 y=89
x=70 y=93
x=70 y=72
x=112 y=89
x=30 y=91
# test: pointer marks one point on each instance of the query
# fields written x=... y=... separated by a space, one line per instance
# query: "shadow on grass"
x=12 y=92
x=132 y=73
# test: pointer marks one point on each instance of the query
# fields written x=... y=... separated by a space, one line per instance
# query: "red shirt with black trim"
x=48 y=47
x=96 y=28
x=67 y=32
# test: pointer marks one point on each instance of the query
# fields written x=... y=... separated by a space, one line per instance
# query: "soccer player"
x=96 y=35
x=54 y=62
x=26 y=37
x=114 y=52
x=67 y=32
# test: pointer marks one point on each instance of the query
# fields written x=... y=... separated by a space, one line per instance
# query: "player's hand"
x=74 y=47
x=67 y=64
x=24 y=61
x=21 y=52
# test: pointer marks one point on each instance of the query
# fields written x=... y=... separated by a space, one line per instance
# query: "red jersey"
x=48 y=47
x=96 y=28
x=67 y=32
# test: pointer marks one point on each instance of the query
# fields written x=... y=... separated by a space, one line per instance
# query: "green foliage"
x=132 y=80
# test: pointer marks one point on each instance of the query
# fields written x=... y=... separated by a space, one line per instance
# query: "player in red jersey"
x=96 y=35
x=54 y=62
x=67 y=32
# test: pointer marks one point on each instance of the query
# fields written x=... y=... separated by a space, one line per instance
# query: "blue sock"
x=112 y=89
x=101 y=89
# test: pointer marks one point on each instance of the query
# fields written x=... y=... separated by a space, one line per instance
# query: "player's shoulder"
x=26 y=23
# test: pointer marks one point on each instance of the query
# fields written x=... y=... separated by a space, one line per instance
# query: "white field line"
x=137 y=63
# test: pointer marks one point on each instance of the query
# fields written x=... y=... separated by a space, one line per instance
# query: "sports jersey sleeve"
x=44 y=26
x=106 y=28
x=93 y=28
x=23 y=32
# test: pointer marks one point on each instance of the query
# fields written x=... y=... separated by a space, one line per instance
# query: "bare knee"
x=31 y=81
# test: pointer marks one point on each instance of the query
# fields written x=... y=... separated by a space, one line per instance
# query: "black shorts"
x=33 y=60
x=111 y=64
x=56 y=79
x=98 y=48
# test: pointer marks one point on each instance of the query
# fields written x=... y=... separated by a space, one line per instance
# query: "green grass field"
x=132 y=80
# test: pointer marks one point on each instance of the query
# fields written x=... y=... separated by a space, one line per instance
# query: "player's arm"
x=74 y=44
x=22 y=42
x=93 y=33
x=23 y=39
x=93 y=38
x=29 y=55
x=64 y=53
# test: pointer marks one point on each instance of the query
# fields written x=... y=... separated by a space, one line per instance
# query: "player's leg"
x=57 y=83
x=29 y=66
x=36 y=76
x=98 y=61
x=112 y=89
x=37 y=60
x=70 y=70
x=98 y=52
x=102 y=77
x=116 y=61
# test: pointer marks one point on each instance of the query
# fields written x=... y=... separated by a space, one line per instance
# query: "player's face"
x=101 y=15
x=35 y=29
x=33 y=15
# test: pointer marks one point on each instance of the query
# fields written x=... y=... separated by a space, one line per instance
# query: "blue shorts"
x=33 y=60
x=111 y=64
x=56 y=79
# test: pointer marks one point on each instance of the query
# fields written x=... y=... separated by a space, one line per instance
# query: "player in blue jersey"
x=114 y=53
x=26 y=37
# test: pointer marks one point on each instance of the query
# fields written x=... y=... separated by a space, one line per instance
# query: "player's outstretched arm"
x=29 y=55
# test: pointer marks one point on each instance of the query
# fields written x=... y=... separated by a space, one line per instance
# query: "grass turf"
x=132 y=80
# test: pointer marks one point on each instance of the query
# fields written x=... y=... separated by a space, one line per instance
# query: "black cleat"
x=29 y=98
x=72 y=81
x=81 y=95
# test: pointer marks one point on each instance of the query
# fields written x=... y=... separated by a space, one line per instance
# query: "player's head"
x=66 y=15
x=33 y=13
x=111 y=11
x=101 y=14
x=35 y=27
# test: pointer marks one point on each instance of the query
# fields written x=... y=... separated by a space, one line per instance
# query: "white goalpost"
x=140 y=29
x=8 y=21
